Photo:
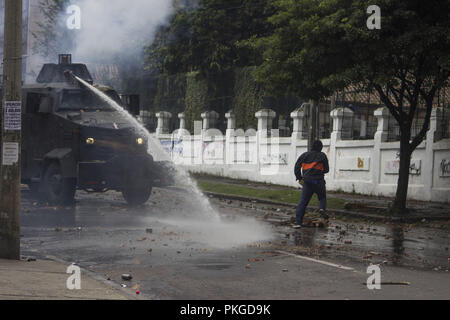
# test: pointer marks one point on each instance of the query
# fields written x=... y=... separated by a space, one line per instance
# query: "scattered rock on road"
x=127 y=277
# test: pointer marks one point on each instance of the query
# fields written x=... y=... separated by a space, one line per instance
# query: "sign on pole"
x=10 y=154
x=13 y=116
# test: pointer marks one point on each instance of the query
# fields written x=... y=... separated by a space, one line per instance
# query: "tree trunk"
x=399 y=205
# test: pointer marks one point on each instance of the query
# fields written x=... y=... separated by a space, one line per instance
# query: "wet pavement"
x=176 y=250
x=420 y=245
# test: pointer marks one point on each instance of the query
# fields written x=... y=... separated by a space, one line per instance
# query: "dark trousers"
x=309 y=188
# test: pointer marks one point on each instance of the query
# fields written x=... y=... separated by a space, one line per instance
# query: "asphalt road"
x=177 y=247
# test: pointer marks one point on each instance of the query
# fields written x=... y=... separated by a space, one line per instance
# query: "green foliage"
x=316 y=49
x=294 y=54
x=205 y=38
x=170 y=94
x=196 y=99
x=171 y=50
x=247 y=98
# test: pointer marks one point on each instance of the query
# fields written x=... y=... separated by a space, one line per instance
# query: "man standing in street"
x=311 y=167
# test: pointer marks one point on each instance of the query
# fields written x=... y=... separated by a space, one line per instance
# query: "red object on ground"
x=138 y=292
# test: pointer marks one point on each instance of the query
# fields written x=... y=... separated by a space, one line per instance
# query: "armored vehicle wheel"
x=137 y=195
x=57 y=189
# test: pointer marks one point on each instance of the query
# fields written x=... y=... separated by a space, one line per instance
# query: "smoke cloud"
x=111 y=28
x=108 y=35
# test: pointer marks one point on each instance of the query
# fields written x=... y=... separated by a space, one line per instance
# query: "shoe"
x=323 y=214
x=297 y=226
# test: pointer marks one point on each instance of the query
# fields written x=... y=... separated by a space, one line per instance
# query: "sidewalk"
x=46 y=280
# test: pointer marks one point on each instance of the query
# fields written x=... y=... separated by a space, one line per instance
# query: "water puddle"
x=401 y=245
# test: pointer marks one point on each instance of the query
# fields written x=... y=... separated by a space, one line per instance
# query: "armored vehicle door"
x=37 y=137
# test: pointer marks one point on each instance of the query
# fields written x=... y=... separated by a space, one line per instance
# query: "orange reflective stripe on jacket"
x=313 y=165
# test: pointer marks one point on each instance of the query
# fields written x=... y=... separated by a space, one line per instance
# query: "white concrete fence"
x=363 y=166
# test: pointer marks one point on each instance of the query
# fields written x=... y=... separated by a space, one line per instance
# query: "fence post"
x=265 y=121
x=230 y=148
x=298 y=116
x=298 y=133
x=433 y=135
x=182 y=118
x=197 y=150
x=337 y=115
x=382 y=115
x=182 y=129
x=436 y=124
x=209 y=119
x=381 y=135
x=334 y=137
x=231 y=122
x=163 y=122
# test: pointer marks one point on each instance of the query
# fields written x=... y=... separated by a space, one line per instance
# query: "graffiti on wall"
x=444 y=168
x=173 y=146
x=213 y=150
x=393 y=167
x=275 y=159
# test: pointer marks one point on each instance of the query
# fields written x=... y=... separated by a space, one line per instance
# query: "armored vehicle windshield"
x=83 y=100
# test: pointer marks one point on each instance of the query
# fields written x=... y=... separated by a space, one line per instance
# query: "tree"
x=205 y=37
x=322 y=46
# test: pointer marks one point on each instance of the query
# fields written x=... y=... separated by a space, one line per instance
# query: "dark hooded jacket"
x=313 y=164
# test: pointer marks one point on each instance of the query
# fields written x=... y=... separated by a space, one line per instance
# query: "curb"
x=341 y=213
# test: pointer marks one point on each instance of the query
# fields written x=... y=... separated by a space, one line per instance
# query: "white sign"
x=74 y=19
x=354 y=164
x=374 y=20
x=10 y=153
x=374 y=281
x=13 y=115
x=74 y=281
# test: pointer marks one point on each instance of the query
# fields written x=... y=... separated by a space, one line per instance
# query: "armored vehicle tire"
x=137 y=195
x=57 y=189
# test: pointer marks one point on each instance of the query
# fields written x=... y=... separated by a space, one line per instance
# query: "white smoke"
x=112 y=33
x=117 y=27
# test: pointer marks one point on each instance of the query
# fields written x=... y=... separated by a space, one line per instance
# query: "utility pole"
x=11 y=124
x=313 y=123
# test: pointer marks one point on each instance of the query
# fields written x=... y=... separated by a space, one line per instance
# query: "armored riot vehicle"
x=72 y=139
